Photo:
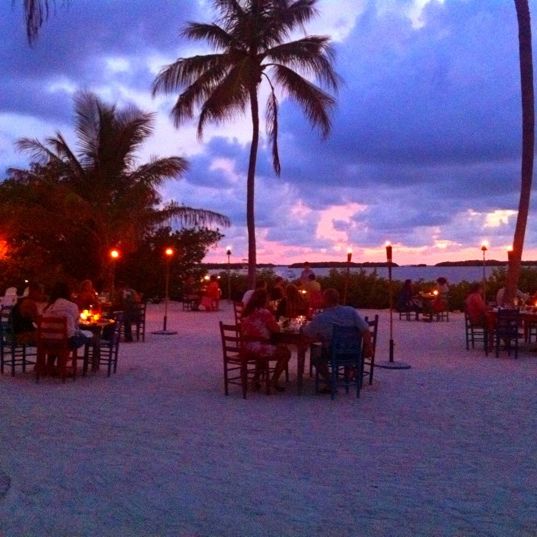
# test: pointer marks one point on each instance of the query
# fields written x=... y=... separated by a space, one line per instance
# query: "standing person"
x=127 y=300
x=305 y=274
x=25 y=313
x=440 y=303
x=211 y=296
x=257 y=326
x=320 y=328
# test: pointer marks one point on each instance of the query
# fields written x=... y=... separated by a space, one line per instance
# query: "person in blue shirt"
x=320 y=328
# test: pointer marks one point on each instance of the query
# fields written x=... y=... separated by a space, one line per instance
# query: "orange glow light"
x=114 y=254
x=169 y=252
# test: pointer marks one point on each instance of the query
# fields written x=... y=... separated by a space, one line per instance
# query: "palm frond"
x=314 y=102
x=272 y=129
x=217 y=36
x=230 y=96
x=156 y=171
x=312 y=55
x=191 y=217
x=35 y=13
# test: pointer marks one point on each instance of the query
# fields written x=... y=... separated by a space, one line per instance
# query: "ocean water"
x=452 y=274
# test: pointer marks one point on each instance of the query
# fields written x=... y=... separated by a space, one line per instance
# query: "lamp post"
x=168 y=253
x=228 y=253
x=347 y=274
x=484 y=248
x=114 y=256
x=391 y=363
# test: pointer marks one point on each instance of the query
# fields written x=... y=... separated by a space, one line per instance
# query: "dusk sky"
x=425 y=144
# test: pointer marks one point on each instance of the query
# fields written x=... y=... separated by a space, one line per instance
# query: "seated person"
x=292 y=304
x=314 y=294
x=320 y=328
x=407 y=300
x=440 y=303
x=61 y=305
x=210 y=299
x=520 y=297
x=476 y=307
x=257 y=326
x=260 y=283
x=25 y=313
x=278 y=289
x=87 y=298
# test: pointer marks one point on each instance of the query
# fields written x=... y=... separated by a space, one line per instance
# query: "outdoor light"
x=484 y=248
x=391 y=363
x=389 y=252
x=228 y=253
x=168 y=253
x=510 y=253
x=347 y=274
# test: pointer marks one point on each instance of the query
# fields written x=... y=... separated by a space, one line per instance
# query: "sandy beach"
x=444 y=449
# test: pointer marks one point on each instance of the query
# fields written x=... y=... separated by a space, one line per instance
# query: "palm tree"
x=250 y=42
x=528 y=143
x=100 y=187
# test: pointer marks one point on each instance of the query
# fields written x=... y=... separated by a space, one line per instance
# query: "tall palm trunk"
x=250 y=189
x=528 y=142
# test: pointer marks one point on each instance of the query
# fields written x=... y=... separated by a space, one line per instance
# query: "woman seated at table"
x=292 y=304
x=257 y=326
x=87 y=298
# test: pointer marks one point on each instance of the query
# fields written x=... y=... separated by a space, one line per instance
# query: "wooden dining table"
x=295 y=338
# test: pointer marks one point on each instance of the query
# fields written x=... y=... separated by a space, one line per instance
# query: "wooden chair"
x=139 y=321
x=106 y=350
x=238 y=308
x=506 y=332
x=474 y=334
x=12 y=353
x=369 y=363
x=52 y=341
x=239 y=366
x=346 y=362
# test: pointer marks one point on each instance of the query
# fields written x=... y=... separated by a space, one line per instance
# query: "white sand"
x=446 y=448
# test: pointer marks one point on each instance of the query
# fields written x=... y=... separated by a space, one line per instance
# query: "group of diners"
x=481 y=313
x=259 y=322
x=62 y=302
x=427 y=302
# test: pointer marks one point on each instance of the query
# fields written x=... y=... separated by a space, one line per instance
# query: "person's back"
x=475 y=307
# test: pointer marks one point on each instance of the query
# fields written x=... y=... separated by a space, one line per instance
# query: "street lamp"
x=390 y=363
x=228 y=253
x=484 y=248
x=168 y=254
x=114 y=256
x=347 y=274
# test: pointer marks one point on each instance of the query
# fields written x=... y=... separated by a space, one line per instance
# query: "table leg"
x=301 y=361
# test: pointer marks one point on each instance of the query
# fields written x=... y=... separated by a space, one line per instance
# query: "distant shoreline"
x=369 y=264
